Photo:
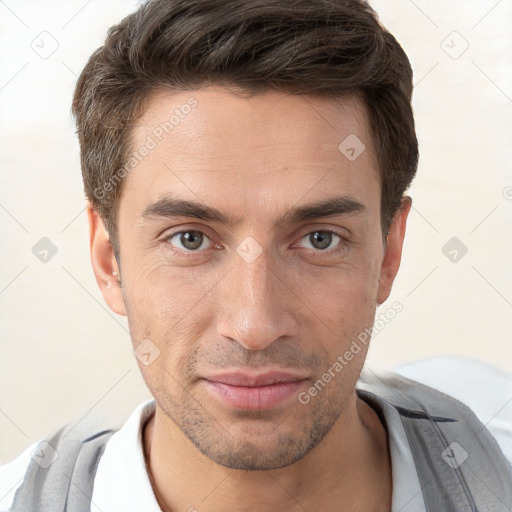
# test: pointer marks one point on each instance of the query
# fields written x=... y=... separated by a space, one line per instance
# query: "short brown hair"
x=325 y=47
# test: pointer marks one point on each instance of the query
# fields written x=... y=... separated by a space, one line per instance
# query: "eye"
x=191 y=241
x=321 y=240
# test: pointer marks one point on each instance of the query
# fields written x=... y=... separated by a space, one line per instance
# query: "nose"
x=256 y=304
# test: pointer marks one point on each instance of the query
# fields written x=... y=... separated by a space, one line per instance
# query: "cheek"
x=353 y=282
x=159 y=291
x=167 y=305
x=344 y=300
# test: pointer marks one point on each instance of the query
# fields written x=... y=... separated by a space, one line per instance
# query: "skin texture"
x=296 y=307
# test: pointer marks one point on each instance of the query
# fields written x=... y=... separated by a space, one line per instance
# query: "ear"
x=104 y=263
x=393 y=254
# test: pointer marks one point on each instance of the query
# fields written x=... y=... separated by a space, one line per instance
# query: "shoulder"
x=56 y=453
x=485 y=389
x=12 y=474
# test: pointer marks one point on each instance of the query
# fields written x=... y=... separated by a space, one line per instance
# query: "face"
x=251 y=258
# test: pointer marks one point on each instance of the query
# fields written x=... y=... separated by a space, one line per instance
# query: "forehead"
x=208 y=141
x=215 y=111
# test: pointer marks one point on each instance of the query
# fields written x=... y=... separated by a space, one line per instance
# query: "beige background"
x=65 y=356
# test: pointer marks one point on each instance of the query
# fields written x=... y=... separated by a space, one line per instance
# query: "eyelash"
x=342 y=244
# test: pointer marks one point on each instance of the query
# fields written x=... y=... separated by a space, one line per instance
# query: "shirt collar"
x=122 y=481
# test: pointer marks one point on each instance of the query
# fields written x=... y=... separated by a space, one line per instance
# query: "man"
x=246 y=164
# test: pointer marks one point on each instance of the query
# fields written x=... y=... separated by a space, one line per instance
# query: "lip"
x=254 y=391
x=245 y=379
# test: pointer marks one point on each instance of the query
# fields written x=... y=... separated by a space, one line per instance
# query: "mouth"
x=254 y=391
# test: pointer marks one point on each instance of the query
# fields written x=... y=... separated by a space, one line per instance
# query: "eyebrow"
x=169 y=207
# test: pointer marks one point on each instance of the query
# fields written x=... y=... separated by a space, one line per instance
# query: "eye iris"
x=191 y=239
x=320 y=239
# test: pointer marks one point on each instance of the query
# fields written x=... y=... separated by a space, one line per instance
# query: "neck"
x=350 y=466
